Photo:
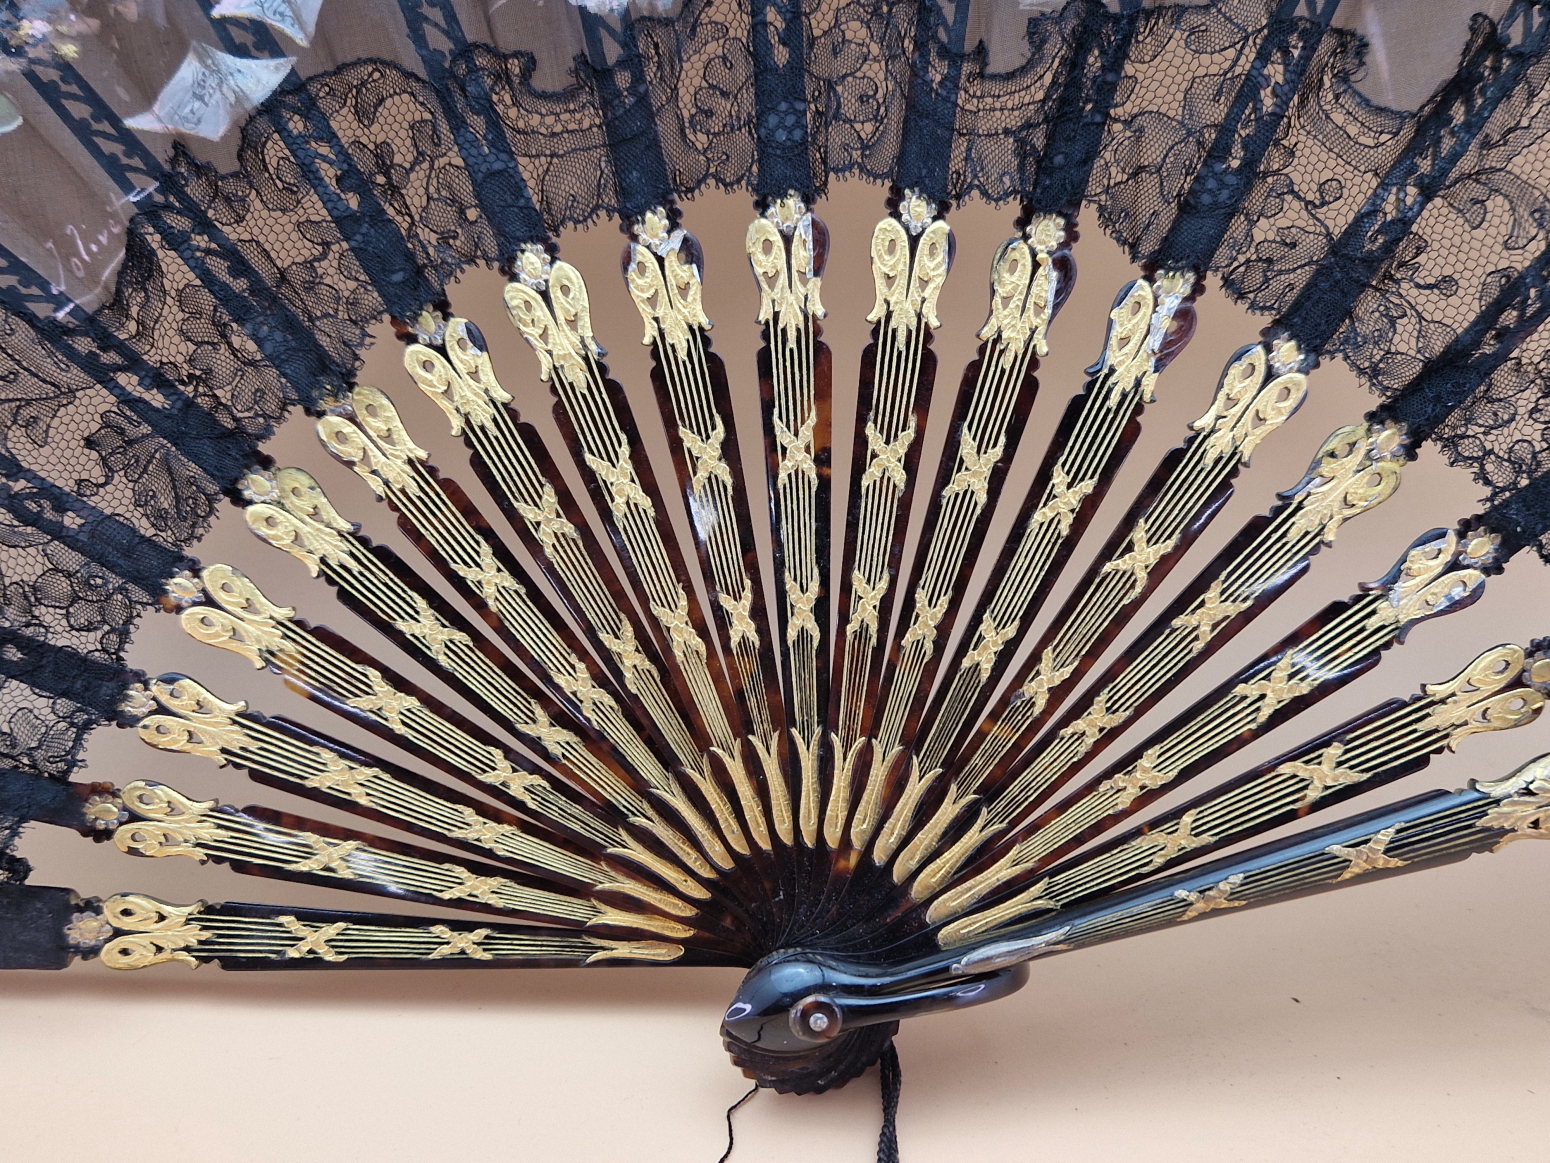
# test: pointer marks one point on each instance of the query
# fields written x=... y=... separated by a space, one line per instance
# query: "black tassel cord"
x=890 y=1080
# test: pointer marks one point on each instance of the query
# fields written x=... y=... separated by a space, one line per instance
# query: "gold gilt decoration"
x=1357 y=469
x=863 y=614
x=313 y=940
x=1045 y=679
x=796 y=450
x=1023 y=286
x=1486 y=695
x=887 y=458
x=908 y=279
x=618 y=477
x=1323 y=776
x=707 y=457
x=155 y=932
x=786 y=271
x=1138 y=563
x=465 y=943
x=1430 y=580
x=1211 y=612
x=801 y=602
x=1162 y=845
x=170 y=823
x=1245 y=408
x=1208 y=900
x=1277 y=688
x=740 y=622
x=989 y=640
x=923 y=626
x=974 y=468
x=1134 y=782
x=1369 y=856
x=1095 y=721
x=245 y=623
x=1523 y=810
x=1063 y=499
x=548 y=523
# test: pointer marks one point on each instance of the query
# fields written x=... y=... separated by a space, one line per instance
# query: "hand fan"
x=827 y=731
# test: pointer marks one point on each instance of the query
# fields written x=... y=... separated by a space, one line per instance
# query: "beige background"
x=1406 y=1020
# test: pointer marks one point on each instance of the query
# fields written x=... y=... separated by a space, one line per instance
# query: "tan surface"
x=1402 y=1021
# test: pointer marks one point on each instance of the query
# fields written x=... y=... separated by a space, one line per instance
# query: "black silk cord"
x=890 y=1079
x=731 y=1139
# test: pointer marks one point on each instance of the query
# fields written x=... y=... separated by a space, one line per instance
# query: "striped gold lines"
x=786 y=248
x=910 y=255
x=1356 y=469
x=1122 y=381
x=548 y=304
x=194 y=720
x=1260 y=388
x=147 y=931
x=167 y=823
x=462 y=382
x=242 y=620
x=1503 y=688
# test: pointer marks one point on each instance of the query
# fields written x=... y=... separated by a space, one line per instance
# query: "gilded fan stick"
x=742 y=678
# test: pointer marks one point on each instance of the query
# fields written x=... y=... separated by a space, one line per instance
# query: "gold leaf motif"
x=919 y=849
x=903 y=816
x=1357 y=469
x=863 y=613
x=965 y=895
x=1211 y=899
x=431 y=630
x=1483 y=697
x=887 y=458
x=1139 y=561
x=1524 y=810
x=314 y=941
x=973 y=475
x=839 y=790
x=1277 y=688
x=158 y=932
x=781 y=252
x=796 y=451
x=330 y=857
x=1096 y=720
x=1162 y=846
x=545 y=519
x=1134 y=782
x=624 y=491
x=459 y=943
x=989 y=641
x=489 y=577
x=923 y=627
x=1030 y=900
x=1212 y=610
x=681 y=634
x=807 y=805
x=169 y=824
x=1047 y=678
x=1323 y=775
x=800 y=603
x=1367 y=857
x=633 y=950
x=740 y=624
x=204 y=725
x=1061 y=500
x=559 y=330
x=707 y=457
x=384 y=702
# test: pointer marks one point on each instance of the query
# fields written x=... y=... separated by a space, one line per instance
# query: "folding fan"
x=881 y=782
